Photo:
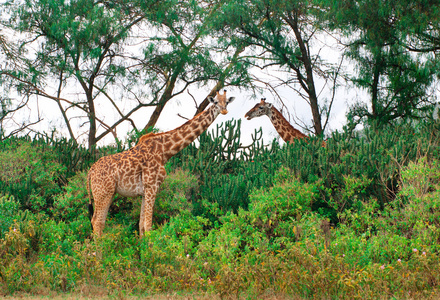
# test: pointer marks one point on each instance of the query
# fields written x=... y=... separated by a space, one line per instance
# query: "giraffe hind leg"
x=102 y=205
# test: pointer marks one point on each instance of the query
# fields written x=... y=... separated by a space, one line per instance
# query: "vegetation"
x=357 y=219
x=135 y=56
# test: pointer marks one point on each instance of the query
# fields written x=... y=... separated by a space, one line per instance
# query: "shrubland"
x=357 y=219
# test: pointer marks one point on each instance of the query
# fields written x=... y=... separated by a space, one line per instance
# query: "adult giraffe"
x=287 y=132
x=140 y=170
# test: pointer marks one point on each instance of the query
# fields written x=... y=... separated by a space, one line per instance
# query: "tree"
x=283 y=31
x=194 y=56
x=377 y=35
x=77 y=41
x=9 y=52
x=144 y=52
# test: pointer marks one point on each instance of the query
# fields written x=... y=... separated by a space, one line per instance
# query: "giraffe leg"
x=101 y=183
x=102 y=206
x=151 y=183
x=146 y=217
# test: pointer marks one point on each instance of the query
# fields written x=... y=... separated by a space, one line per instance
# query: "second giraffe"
x=287 y=132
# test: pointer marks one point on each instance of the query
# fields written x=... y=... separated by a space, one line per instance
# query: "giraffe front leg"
x=151 y=186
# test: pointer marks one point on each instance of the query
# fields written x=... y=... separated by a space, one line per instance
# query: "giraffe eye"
x=261 y=107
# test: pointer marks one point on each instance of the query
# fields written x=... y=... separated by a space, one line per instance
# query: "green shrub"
x=9 y=212
x=227 y=172
x=30 y=174
x=405 y=227
x=175 y=195
x=276 y=210
x=17 y=247
x=276 y=217
x=358 y=219
x=73 y=203
x=419 y=179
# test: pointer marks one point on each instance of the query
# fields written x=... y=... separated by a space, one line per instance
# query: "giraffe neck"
x=177 y=139
x=287 y=132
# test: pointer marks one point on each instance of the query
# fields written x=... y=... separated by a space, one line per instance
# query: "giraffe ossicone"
x=140 y=170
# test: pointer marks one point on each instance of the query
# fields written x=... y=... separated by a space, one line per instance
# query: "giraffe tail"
x=90 y=196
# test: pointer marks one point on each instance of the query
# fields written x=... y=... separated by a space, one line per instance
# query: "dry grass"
x=170 y=296
x=96 y=292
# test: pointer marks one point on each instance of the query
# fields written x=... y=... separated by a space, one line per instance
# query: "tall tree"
x=283 y=31
x=10 y=58
x=122 y=54
x=185 y=53
x=376 y=35
x=77 y=41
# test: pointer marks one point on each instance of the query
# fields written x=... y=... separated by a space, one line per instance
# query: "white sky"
x=184 y=105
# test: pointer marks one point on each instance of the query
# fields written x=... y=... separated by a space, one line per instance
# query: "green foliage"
x=300 y=220
x=69 y=206
x=382 y=38
x=30 y=174
x=174 y=194
x=406 y=227
x=227 y=172
x=10 y=211
x=287 y=201
x=357 y=219
x=35 y=171
x=419 y=178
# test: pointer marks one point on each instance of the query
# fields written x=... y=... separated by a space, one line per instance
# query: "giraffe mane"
x=146 y=137
x=152 y=134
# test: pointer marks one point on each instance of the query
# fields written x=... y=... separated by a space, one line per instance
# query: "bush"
x=408 y=226
x=175 y=195
x=275 y=211
x=30 y=175
x=226 y=171
x=73 y=202
x=356 y=219
x=9 y=212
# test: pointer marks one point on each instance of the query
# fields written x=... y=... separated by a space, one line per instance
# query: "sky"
x=243 y=102
x=296 y=109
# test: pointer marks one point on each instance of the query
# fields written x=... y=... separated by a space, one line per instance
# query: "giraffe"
x=287 y=132
x=140 y=170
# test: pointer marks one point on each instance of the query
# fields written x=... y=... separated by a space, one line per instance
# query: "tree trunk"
x=92 y=119
x=166 y=96
x=155 y=116
x=305 y=58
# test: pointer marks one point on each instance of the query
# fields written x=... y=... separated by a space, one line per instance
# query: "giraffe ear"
x=211 y=100
x=230 y=99
x=269 y=105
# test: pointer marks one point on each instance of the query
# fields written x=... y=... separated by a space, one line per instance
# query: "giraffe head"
x=259 y=110
x=221 y=102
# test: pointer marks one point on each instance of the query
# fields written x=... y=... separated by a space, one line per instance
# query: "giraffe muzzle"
x=224 y=111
